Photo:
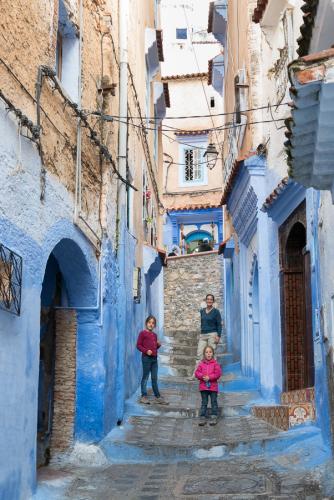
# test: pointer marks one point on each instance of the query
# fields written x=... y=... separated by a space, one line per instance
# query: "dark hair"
x=210 y=295
x=151 y=317
x=209 y=347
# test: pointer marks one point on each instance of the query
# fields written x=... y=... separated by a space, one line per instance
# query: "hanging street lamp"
x=211 y=155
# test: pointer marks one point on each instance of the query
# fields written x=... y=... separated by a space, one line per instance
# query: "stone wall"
x=65 y=381
x=187 y=280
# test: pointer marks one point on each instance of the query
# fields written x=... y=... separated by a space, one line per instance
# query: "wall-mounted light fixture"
x=211 y=155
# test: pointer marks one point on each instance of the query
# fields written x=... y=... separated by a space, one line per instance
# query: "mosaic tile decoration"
x=278 y=416
x=301 y=413
x=298 y=396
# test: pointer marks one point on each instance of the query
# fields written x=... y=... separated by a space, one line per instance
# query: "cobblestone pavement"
x=242 y=479
x=160 y=452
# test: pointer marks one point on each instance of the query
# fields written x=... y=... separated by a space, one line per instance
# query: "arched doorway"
x=296 y=310
x=194 y=238
x=67 y=284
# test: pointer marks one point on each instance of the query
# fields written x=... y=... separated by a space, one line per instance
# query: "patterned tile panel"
x=301 y=413
x=278 y=416
x=299 y=396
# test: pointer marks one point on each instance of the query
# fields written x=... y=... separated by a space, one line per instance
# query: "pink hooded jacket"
x=213 y=370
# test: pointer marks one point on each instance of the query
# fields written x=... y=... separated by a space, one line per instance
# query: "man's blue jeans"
x=150 y=366
x=214 y=404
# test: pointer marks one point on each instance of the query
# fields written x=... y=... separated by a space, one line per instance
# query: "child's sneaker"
x=144 y=400
x=202 y=421
x=213 y=420
x=161 y=401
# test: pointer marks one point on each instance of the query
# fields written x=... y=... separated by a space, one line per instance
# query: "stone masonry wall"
x=187 y=280
x=65 y=380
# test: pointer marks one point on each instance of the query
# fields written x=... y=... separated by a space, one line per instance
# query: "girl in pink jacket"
x=208 y=372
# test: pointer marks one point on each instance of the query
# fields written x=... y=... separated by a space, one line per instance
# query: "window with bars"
x=10 y=280
x=193 y=170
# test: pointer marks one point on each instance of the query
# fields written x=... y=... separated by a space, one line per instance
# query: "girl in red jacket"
x=148 y=345
x=208 y=372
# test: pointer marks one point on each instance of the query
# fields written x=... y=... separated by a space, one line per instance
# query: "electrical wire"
x=220 y=128
x=230 y=113
x=24 y=88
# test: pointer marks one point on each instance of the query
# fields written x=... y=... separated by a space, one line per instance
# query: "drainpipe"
x=77 y=204
x=77 y=200
x=123 y=10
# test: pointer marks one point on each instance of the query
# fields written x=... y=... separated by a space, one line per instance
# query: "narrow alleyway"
x=160 y=452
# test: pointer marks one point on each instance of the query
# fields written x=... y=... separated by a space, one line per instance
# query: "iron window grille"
x=192 y=165
x=10 y=280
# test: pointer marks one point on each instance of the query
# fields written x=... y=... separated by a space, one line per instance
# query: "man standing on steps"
x=211 y=329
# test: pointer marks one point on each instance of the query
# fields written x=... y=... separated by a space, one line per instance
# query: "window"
x=192 y=165
x=67 y=53
x=59 y=55
x=181 y=33
x=237 y=99
x=212 y=102
x=137 y=285
x=10 y=280
x=191 y=160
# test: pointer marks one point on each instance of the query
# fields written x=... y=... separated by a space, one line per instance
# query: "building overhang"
x=267 y=12
x=310 y=145
x=188 y=214
x=217 y=23
x=216 y=73
x=152 y=51
x=241 y=195
x=159 y=101
x=167 y=95
x=283 y=200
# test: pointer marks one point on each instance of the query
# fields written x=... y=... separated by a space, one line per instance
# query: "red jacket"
x=211 y=369
x=148 y=341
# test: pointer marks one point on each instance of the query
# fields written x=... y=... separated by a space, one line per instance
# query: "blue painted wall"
x=321 y=382
x=108 y=364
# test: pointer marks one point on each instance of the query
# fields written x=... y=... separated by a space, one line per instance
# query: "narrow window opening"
x=237 y=100
x=59 y=55
x=212 y=102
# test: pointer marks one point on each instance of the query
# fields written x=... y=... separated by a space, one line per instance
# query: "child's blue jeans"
x=150 y=366
x=214 y=404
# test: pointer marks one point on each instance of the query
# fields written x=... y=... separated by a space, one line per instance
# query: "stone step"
x=185 y=360
x=181 y=335
x=186 y=349
x=186 y=403
x=182 y=382
x=157 y=438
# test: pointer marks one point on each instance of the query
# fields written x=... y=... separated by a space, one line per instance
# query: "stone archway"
x=67 y=284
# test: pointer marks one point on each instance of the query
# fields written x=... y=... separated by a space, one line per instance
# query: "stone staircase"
x=155 y=433
x=160 y=452
x=178 y=352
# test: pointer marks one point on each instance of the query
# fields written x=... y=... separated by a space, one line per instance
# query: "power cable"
x=220 y=128
x=230 y=113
